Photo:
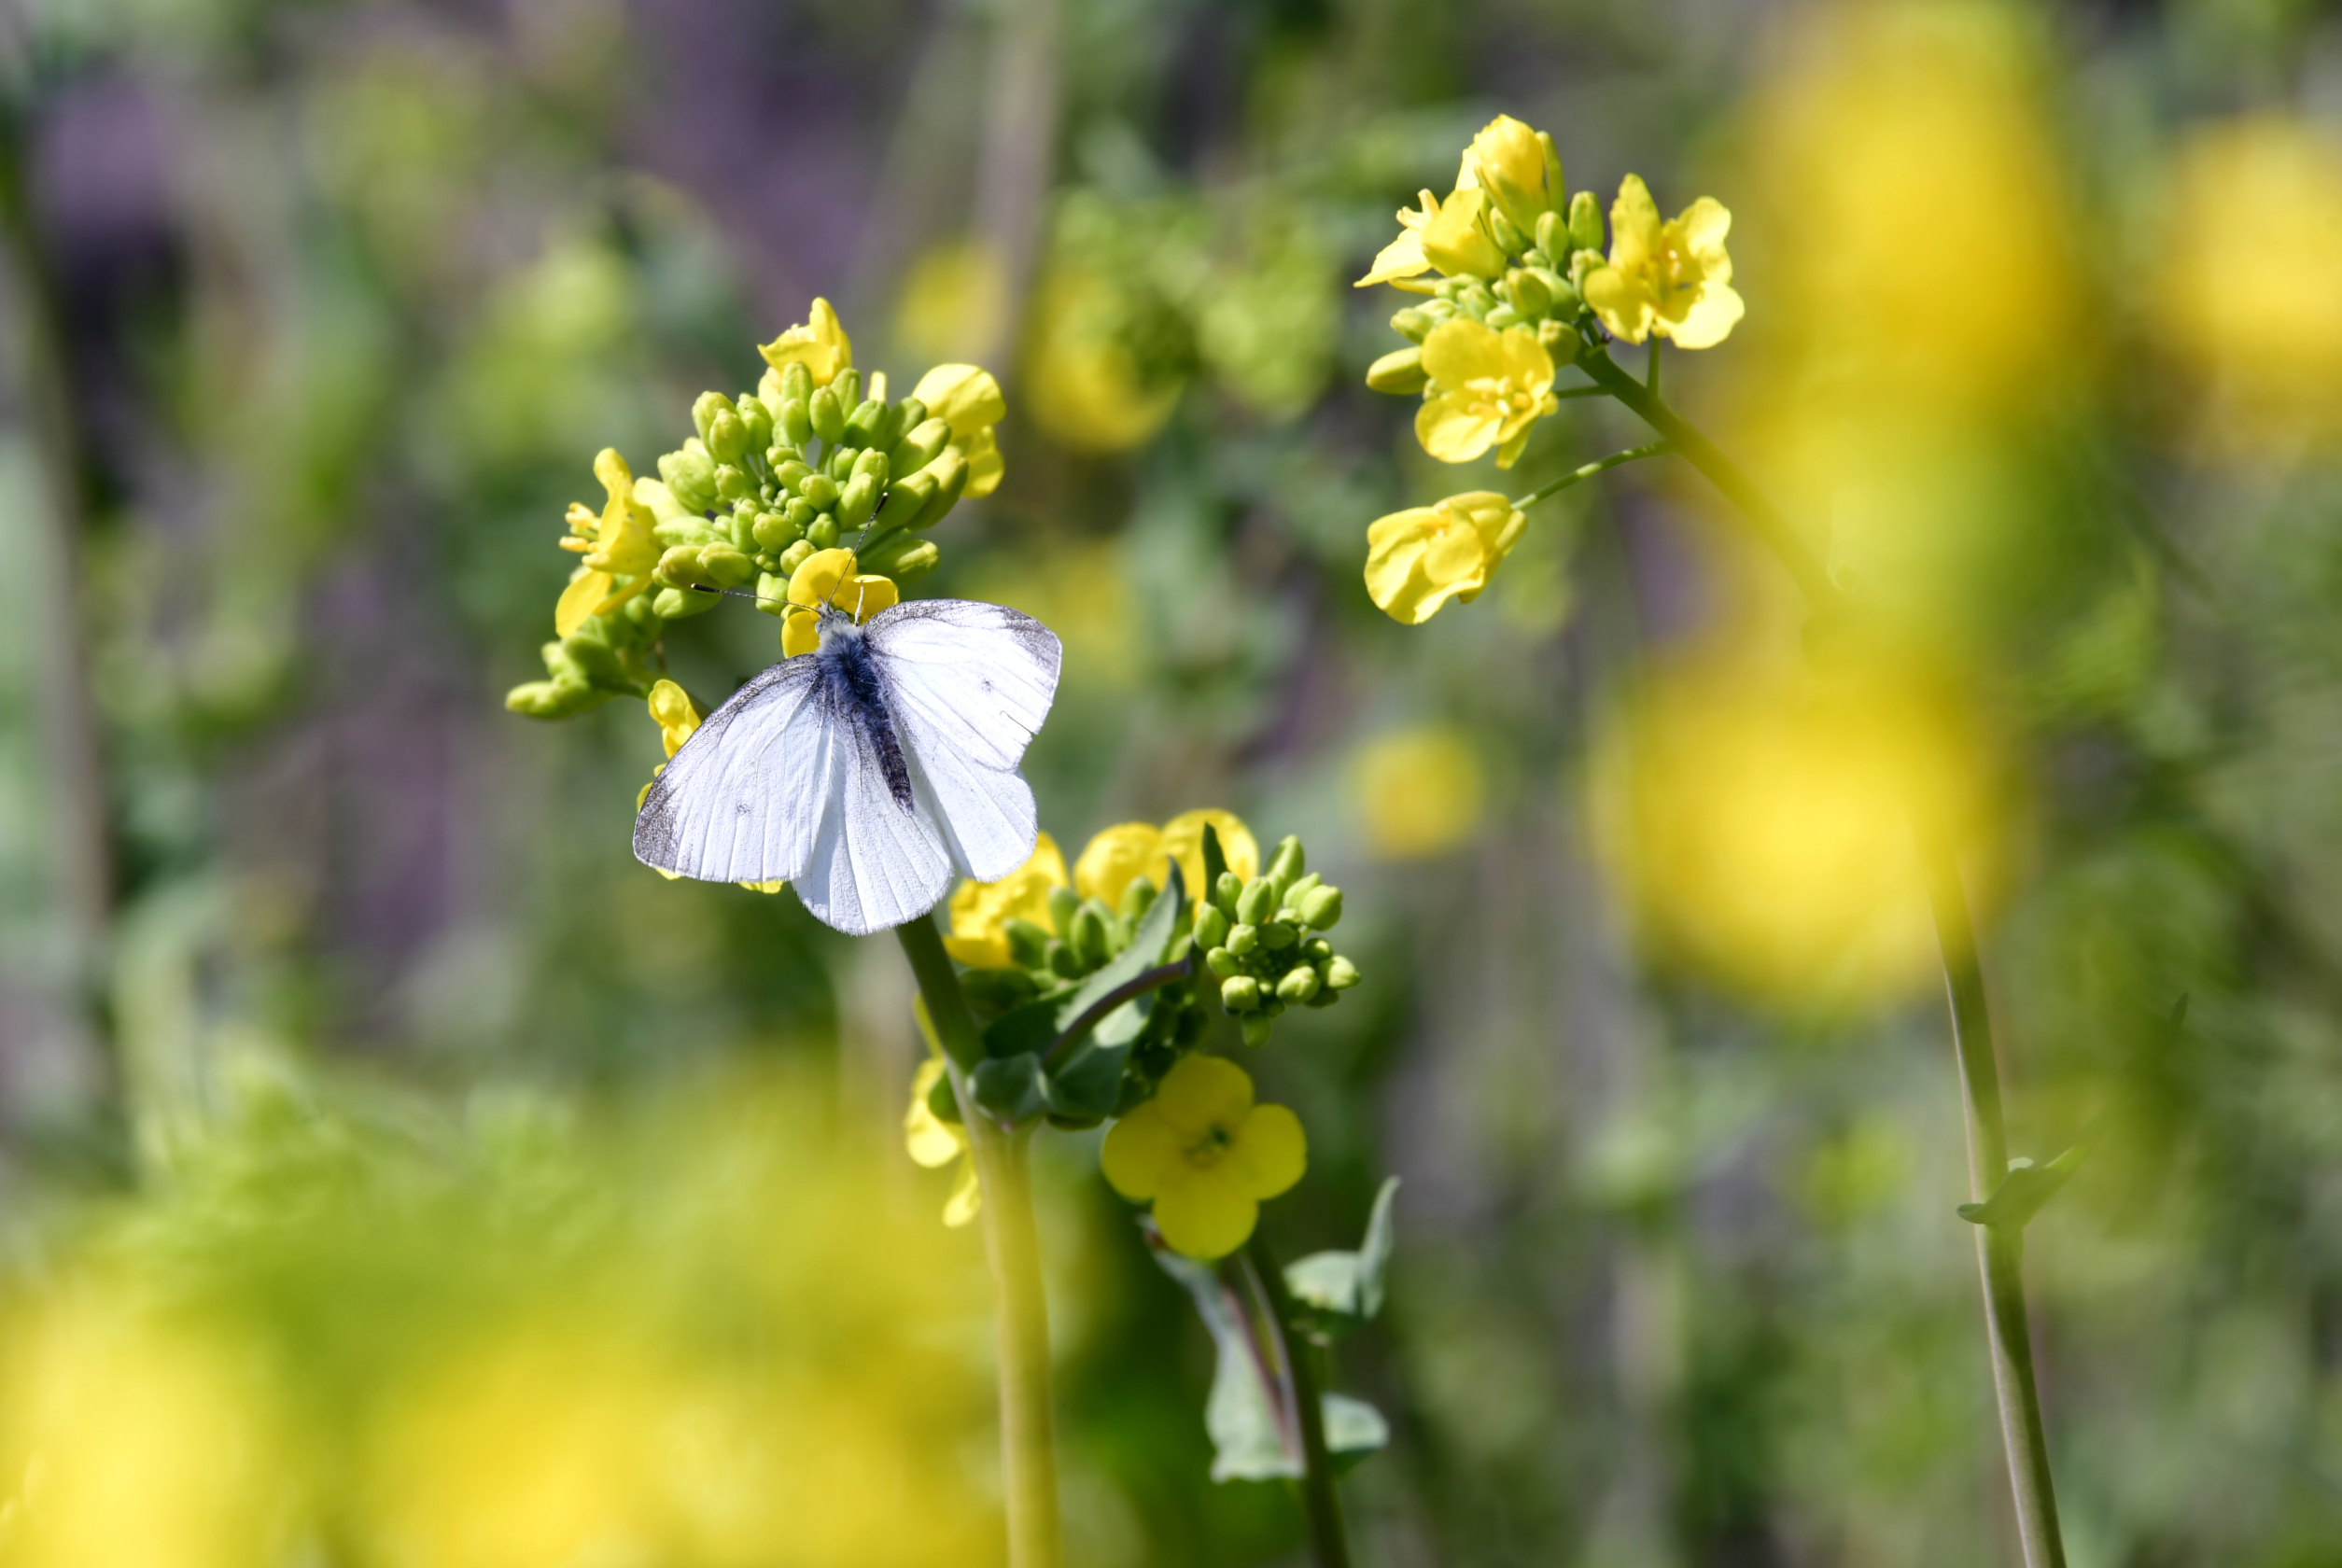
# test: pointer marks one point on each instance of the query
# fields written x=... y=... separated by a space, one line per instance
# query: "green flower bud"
x=1502 y=317
x=794 y=557
x=691 y=477
x=1240 y=993
x=951 y=478
x=1287 y=864
x=1222 y=962
x=891 y=423
x=725 y=567
x=800 y=513
x=757 y=420
x=829 y=420
x=790 y=476
x=1530 y=296
x=1317 y=949
x=906 y=499
x=912 y=414
x=1256 y=1031
x=900 y=557
x=873 y=464
x=677 y=568
x=1585 y=223
x=772 y=531
x=1226 y=891
x=997 y=991
x=1278 y=935
x=919 y=448
x=847 y=389
x=1064 y=904
x=1298 y=985
x=1413 y=324
x=840 y=463
x=796 y=383
x=1553 y=239
x=1244 y=940
x=1321 y=908
x=553 y=699
x=1508 y=237
x=819 y=491
x=727 y=437
x=823 y=533
x=733 y=483
x=1400 y=372
x=1271 y=1006
x=704 y=411
x=1027 y=943
x=680 y=604
x=854 y=502
x=1581 y=263
x=1211 y=926
x=772 y=593
x=862 y=424
x=1063 y=961
x=1323 y=999
x=1341 y=973
x=1256 y=902
x=1138 y=897
x=794 y=421
x=1301 y=890
x=1087 y=936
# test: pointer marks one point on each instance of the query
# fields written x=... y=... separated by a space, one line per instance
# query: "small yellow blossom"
x=618 y=543
x=819 y=345
x=1450 y=236
x=969 y=400
x=1487 y=388
x=1419 y=559
x=1420 y=792
x=1673 y=278
x=1519 y=169
x=828 y=577
x=934 y=1144
x=954 y=303
x=1131 y=849
x=980 y=911
x=1084 y=383
x=671 y=709
x=1206 y=1155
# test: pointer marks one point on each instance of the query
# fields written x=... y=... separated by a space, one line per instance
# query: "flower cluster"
x=814 y=487
x=1258 y=940
x=1518 y=285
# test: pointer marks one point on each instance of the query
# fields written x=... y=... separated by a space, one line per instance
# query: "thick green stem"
x=1999 y=1250
x=1329 y=1539
x=1012 y=1244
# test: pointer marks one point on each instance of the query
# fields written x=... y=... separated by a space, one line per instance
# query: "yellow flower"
x=980 y=911
x=969 y=400
x=671 y=708
x=1672 y=278
x=1487 y=388
x=954 y=302
x=1206 y=1154
x=1419 y=792
x=819 y=345
x=1450 y=236
x=1520 y=170
x=618 y=543
x=1130 y=849
x=828 y=577
x=1419 y=559
x=1084 y=383
x=934 y=1144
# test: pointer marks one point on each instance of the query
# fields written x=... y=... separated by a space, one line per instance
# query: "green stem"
x=1587 y=470
x=1650 y=377
x=1012 y=1244
x=2001 y=1251
x=1329 y=1537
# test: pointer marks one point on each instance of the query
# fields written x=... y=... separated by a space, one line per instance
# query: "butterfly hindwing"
x=744 y=798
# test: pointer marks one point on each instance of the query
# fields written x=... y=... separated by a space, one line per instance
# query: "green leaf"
x=1354 y=1430
x=1011 y=1089
x=1243 y=1414
x=1088 y=1085
x=2026 y=1188
x=1144 y=952
x=1336 y=1292
x=1022 y=1031
x=1215 y=859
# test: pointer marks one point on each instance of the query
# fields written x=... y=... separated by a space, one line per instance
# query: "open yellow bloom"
x=1206 y=1155
x=934 y=1144
x=980 y=911
x=618 y=543
x=1419 y=559
x=1520 y=170
x=1450 y=236
x=819 y=345
x=1487 y=388
x=671 y=708
x=1130 y=849
x=969 y=400
x=828 y=577
x=1673 y=278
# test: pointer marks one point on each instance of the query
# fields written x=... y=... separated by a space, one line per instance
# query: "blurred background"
x=366 y=1102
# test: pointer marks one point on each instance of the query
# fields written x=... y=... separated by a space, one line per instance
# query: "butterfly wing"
x=748 y=794
x=968 y=686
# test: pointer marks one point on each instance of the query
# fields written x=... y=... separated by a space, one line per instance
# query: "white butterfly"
x=870 y=773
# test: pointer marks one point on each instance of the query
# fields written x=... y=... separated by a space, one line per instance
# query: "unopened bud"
x=846 y=385
x=819 y=490
x=691 y=477
x=1502 y=316
x=795 y=421
x=794 y=557
x=1321 y=908
x=1064 y=904
x=772 y=593
x=1530 y=296
x=1301 y=890
x=1138 y=897
x=1278 y=935
x=1298 y=985
x=727 y=437
x=1256 y=1031
x=840 y=464
x=800 y=513
x=822 y=532
x=773 y=531
x=1087 y=936
x=1341 y=973
x=874 y=464
x=1211 y=926
x=1317 y=949
x=951 y=479
x=906 y=499
x=757 y=420
x=677 y=568
x=1240 y=993
x=1027 y=943
x=1063 y=961
x=900 y=557
x=1256 y=902
x=1413 y=324
x=919 y=448
x=1585 y=223
x=725 y=567
x=797 y=382
x=1244 y=940
x=1226 y=891
x=1399 y=372
x=861 y=425
x=855 y=501
x=829 y=420
x=1287 y=864
x=733 y=483
x=704 y=411
x=1508 y=237
x=1222 y=962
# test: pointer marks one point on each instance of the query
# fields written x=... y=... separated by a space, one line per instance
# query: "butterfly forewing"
x=745 y=799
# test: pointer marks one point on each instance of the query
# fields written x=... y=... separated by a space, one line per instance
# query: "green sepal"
x=942 y=1099
x=1336 y=1292
x=2026 y=1188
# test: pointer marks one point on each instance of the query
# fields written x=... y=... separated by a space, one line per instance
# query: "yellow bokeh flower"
x=1419 y=559
x=954 y=303
x=1420 y=792
x=1672 y=278
x=819 y=345
x=828 y=577
x=1206 y=1154
x=1520 y=170
x=1084 y=384
x=969 y=400
x=618 y=543
x=980 y=911
x=934 y=1144
x=1130 y=849
x=1487 y=388
x=671 y=709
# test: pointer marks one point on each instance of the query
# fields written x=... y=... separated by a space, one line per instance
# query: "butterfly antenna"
x=744 y=593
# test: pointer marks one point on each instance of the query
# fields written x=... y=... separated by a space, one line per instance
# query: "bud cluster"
x=1259 y=941
x=1540 y=284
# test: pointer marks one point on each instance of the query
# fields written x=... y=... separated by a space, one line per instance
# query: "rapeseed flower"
x=617 y=544
x=828 y=577
x=818 y=344
x=1419 y=559
x=1206 y=1155
x=934 y=1144
x=1487 y=388
x=1672 y=278
x=1520 y=169
x=1114 y=857
x=671 y=709
x=1450 y=236
x=969 y=400
x=980 y=911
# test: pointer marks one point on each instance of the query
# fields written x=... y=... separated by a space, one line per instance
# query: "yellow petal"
x=1115 y=855
x=671 y=709
x=1456 y=427
x=616 y=478
x=579 y=600
x=986 y=468
x=967 y=1196
x=932 y=1141
x=800 y=632
x=1271 y=1152
x=1201 y=1093
x=1633 y=225
x=980 y=910
x=1454 y=242
x=963 y=397
x=1704 y=225
x=1141 y=1153
x=816 y=577
x=1456 y=351
x=865 y=596
x=1710 y=320
x=1403 y=257
x=1183 y=841
x=1622 y=302
x=1206 y=1216
x=821 y=344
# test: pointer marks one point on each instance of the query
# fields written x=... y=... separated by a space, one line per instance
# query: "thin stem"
x=1012 y=1244
x=1329 y=1539
x=2001 y=1251
x=1091 y=1016
x=1650 y=377
x=1589 y=470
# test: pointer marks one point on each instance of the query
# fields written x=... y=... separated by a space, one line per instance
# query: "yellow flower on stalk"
x=1450 y=236
x=828 y=577
x=1673 y=278
x=1487 y=388
x=1206 y=1154
x=934 y=1144
x=819 y=345
x=618 y=543
x=980 y=911
x=671 y=709
x=1131 y=849
x=1521 y=171
x=969 y=400
x=1419 y=559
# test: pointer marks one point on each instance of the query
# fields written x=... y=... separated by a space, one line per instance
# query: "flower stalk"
x=1330 y=1539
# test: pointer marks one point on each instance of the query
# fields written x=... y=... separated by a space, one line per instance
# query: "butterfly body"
x=870 y=773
